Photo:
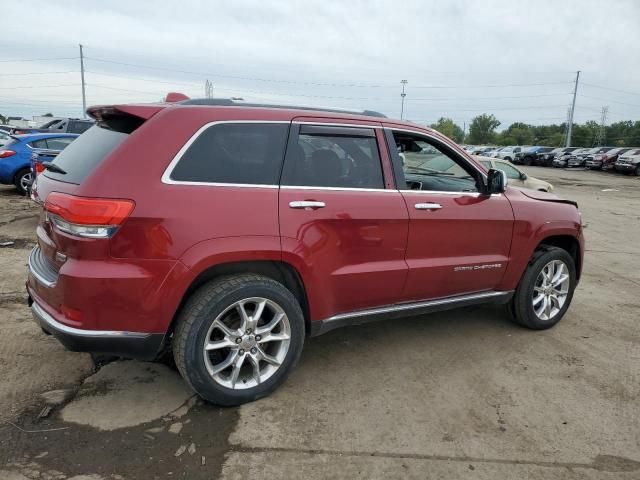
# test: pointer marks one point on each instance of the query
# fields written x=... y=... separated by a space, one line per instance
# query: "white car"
x=508 y=153
x=516 y=176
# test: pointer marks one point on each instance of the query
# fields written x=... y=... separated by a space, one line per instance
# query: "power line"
x=327 y=84
x=37 y=59
x=35 y=73
x=238 y=77
x=611 y=89
x=608 y=100
x=41 y=86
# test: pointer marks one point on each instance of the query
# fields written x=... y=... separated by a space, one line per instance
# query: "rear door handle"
x=307 y=204
x=428 y=206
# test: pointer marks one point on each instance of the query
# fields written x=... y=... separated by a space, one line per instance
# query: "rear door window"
x=234 y=153
x=339 y=157
x=59 y=143
x=85 y=153
x=39 y=143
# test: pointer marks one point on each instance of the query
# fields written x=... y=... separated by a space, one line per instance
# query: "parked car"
x=508 y=153
x=591 y=153
x=67 y=125
x=231 y=238
x=4 y=138
x=562 y=160
x=527 y=156
x=516 y=176
x=604 y=160
x=15 y=156
x=545 y=159
x=579 y=160
x=629 y=162
x=481 y=150
x=40 y=157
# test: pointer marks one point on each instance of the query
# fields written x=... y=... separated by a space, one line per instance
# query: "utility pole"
x=573 y=109
x=208 y=89
x=464 y=131
x=84 y=98
x=600 y=136
x=403 y=82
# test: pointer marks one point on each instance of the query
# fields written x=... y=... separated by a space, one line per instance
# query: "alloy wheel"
x=25 y=181
x=551 y=289
x=246 y=344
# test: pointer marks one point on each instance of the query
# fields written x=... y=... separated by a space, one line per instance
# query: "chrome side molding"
x=408 y=309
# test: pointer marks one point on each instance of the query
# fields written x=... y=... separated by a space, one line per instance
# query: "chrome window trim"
x=436 y=192
x=338 y=189
x=166 y=176
x=337 y=124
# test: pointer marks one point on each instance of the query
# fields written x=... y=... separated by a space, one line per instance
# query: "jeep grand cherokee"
x=229 y=232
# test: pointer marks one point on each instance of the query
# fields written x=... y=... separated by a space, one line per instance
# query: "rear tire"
x=22 y=180
x=636 y=172
x=233 y=321
x=545 y=290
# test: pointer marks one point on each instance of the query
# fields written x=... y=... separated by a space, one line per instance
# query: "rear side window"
x=347 y=159
x=59 y=143
x=85 y=153
x=79 y=127
x=243 y=153
x=39 y=143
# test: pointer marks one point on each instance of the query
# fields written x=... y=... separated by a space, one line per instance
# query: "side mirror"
x=496 y=181
x=523 y=176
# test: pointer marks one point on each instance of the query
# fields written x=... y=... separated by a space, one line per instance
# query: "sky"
x=514 y=59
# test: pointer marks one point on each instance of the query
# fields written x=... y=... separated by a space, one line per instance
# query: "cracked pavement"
x=461 y=394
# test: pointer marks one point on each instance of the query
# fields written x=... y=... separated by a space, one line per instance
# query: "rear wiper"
x=52 y=167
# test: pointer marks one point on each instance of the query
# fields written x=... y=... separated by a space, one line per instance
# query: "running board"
x=407 y=309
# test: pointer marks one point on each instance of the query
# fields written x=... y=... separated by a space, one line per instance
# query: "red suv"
x=230 y=232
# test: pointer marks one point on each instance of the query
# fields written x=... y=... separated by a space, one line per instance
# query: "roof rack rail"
x=230 y=102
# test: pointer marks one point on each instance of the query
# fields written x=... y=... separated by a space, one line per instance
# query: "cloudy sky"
x=515 y=59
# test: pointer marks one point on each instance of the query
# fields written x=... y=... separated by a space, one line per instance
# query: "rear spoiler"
x=123 y=118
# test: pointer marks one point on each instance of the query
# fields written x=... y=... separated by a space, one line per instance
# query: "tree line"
x=483 y=131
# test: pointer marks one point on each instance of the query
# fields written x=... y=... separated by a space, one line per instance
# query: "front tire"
x=545 y=290
x=237 y=338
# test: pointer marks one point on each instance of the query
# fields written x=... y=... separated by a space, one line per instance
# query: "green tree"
x=517 y=134
x=482 y=129
x=48 y=115
x=449 y=128
x=3 y=119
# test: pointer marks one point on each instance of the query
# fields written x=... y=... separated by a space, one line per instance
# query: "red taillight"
x=88 y=211
x=39 y=168
x=6 y=153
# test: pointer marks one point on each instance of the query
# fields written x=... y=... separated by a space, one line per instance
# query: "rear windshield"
x=84 y=154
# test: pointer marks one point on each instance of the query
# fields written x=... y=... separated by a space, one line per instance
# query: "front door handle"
x=428 y=206
x=307 y=204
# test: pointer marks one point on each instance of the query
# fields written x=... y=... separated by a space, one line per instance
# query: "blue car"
x=15 y=155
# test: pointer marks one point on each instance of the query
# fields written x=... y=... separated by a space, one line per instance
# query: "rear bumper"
x=142 y=346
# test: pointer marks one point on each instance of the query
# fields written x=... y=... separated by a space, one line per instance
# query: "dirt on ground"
x=460 y=394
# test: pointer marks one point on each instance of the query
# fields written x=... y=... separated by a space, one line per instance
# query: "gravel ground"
x=461 y=394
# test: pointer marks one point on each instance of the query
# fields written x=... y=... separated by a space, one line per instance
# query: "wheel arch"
x=279 y=271
x=568 y=243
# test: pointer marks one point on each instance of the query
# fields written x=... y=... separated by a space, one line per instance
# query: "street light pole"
x=403 y=82
x=84 y=98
